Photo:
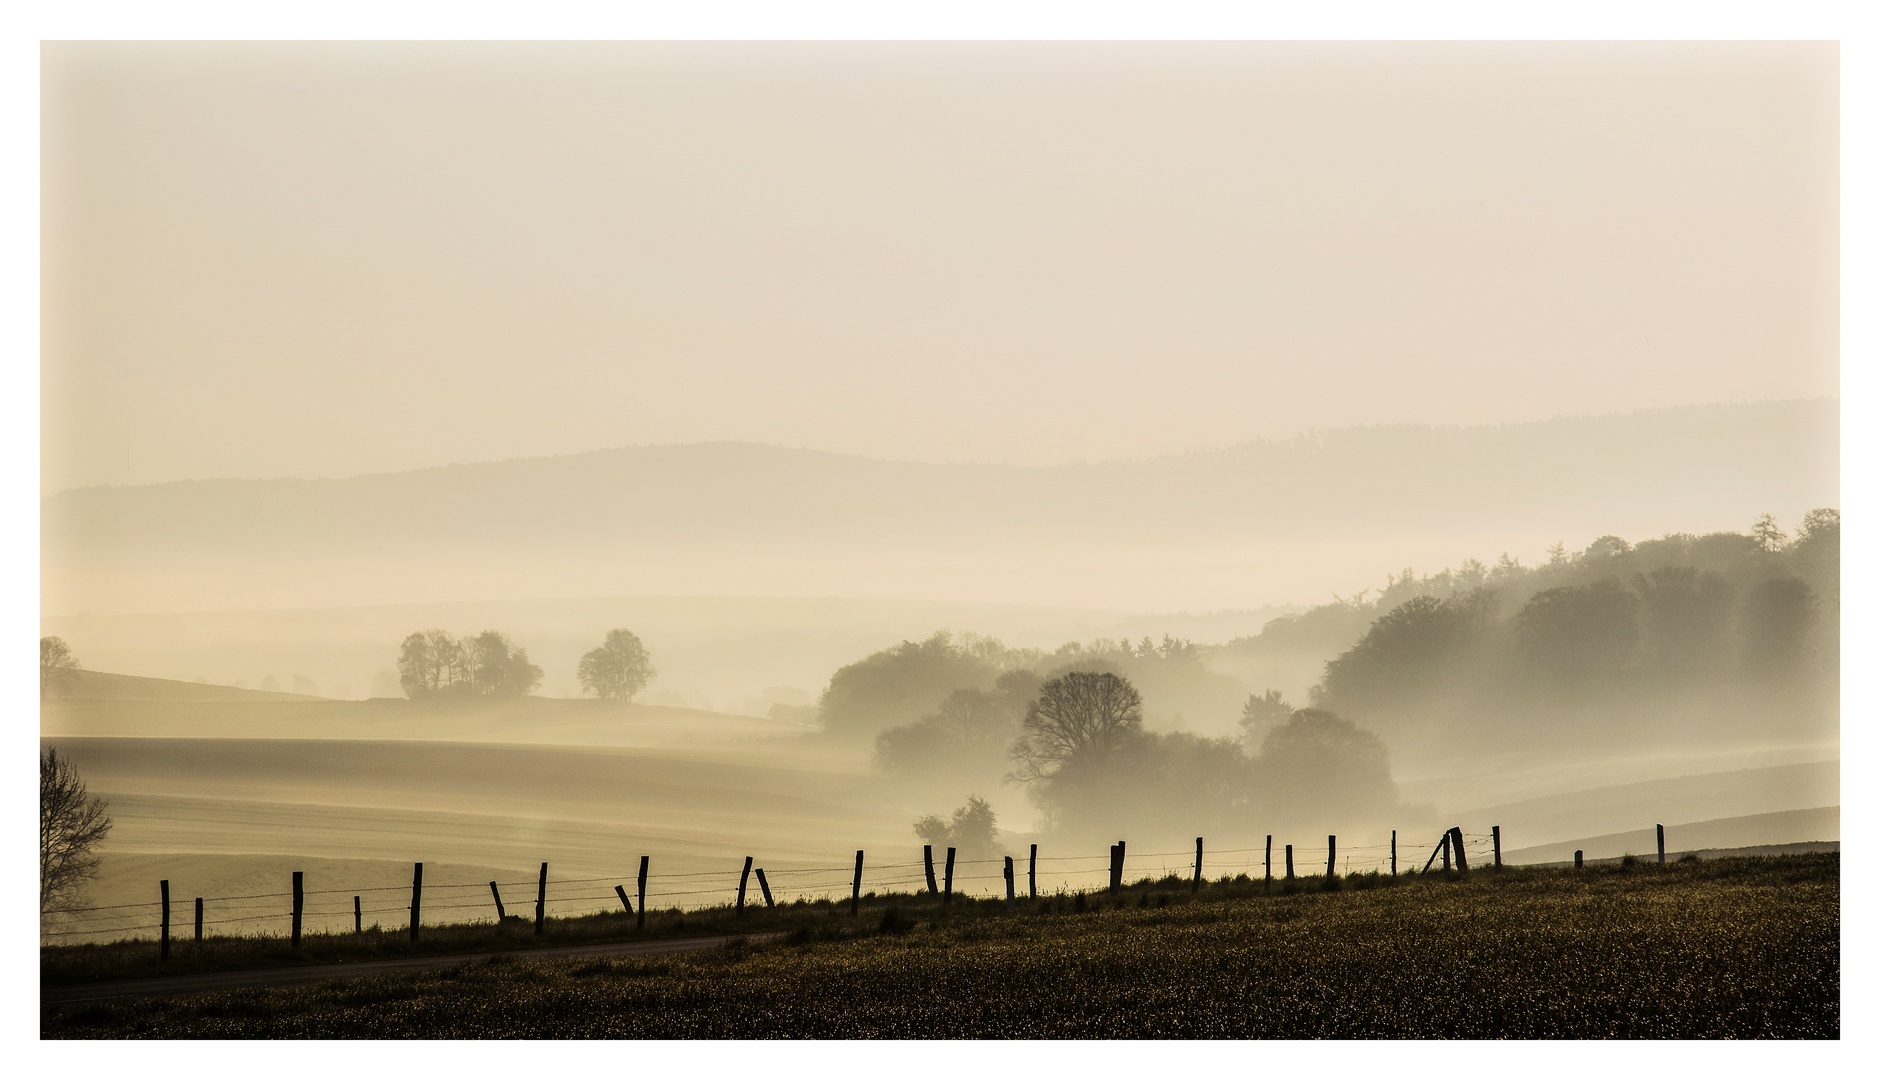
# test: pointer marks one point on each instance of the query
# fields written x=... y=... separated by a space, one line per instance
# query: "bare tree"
x=71 y=824
x=619 y=668
x=58 y=668
x=1080 y=717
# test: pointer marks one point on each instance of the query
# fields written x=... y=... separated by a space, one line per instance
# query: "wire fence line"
x=564 y=897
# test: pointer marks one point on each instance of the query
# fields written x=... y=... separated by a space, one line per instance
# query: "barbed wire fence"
x=352 y=909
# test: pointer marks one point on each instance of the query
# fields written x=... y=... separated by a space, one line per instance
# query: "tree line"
x=435 y=664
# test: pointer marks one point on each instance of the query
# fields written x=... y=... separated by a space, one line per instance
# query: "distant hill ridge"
x=108 y=686
x=1671 y=460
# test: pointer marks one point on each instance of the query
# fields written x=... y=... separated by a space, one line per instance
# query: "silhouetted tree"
x=1776 y=618
x=967 y=735
x=71 y=825
x=898 y=685
x=973 y=829
x=58 y=668
x=500 y=669
x=1686 y=612
x=1580 y=636
x=1403 y=654
x=433 y=663
x=1262 y=713
x=1321 y=768
x=1079 y=720
x=618 y=668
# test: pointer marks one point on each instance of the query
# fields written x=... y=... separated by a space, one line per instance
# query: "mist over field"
x=772 y=452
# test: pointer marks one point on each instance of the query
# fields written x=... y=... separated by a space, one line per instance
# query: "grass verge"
x=1730 y=948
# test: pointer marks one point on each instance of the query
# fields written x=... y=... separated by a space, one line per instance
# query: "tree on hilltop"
x=619 y=668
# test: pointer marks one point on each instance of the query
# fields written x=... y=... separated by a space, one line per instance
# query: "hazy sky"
x=319 y=260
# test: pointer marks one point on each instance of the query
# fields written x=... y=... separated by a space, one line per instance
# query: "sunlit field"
x=1736 y=948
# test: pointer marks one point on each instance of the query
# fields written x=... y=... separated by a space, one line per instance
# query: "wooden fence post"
x=359 y=918
x=1269 y=863
x=1112 y=870
x=1122 y=852
x=1446 y=851
x=198 y=918
x=1011 y=885
x=1289 y=872
x=1331 y=856
x=621 y=892
x=1462 y=857
x=417 y=896
x=926 y=858
x=163 y=940
x=1196 y=887
x=501 y=913
x=1393 y=853
x=763 y=886
x=744 y=880
x=947 y=898
x=1579 y=860
x=1033 y=873
x=299 y=907
x=541 y=900
x=1661 y=843
x=855 y=890
x=1496 y=829
x=640 y=917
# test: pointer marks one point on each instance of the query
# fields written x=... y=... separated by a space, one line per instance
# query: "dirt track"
x=186 y=985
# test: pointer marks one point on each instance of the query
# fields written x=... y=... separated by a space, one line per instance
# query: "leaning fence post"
x=855 y=890
x=1579 y=860
x=763 y=886
x=163 y=940
x=744 y=880
x=1445 y=851
x=1462 y=857
x=947 y=898
x=926 y=856
x=1661 y=843
x=1122 y=852
x=1112 y=869
x=359 y=917
x=1033 y=874
x=1197 y=885
x=500 y=913
x=299 y=907
x=541 y=900
x=1496 y=829
x=1331 y=856
x=198 y=918
x=417 y=896
x=621 y=892
x=1289 y=872
x=1011 y=885
x=640 y=918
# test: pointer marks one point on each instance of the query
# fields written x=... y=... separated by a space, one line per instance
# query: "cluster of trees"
x=435 y=664
x=1678 y=617
x=1068 y=726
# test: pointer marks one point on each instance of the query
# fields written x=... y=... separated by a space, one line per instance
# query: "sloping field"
x=1819 y=824
x=529 y=720
x=1624 y=808
x=216 y=809
x=108 y=686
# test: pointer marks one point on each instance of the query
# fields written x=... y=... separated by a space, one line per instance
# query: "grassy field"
x=1734 y=948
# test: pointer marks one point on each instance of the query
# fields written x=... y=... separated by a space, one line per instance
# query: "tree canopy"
x=434 y=664
x=618 y=668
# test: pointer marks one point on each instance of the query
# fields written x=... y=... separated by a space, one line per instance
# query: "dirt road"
x=186 y=985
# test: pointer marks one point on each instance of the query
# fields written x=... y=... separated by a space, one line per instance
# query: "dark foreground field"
x=1732 y=948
